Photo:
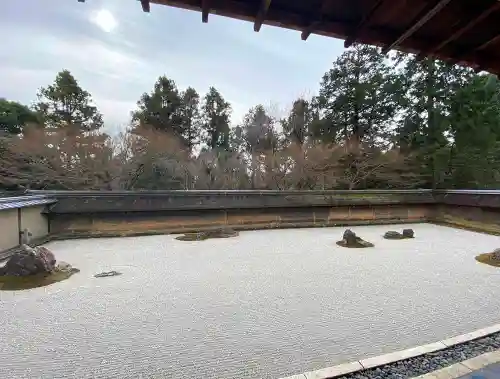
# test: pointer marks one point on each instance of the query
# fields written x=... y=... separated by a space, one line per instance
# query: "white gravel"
x=262 y=305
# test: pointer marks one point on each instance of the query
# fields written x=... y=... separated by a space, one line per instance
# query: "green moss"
x=488 y=259
x=192 y=237
x=201 y=236
x=474 y=226
x=16 y=283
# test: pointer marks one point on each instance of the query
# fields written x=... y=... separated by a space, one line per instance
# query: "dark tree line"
x=376 y=122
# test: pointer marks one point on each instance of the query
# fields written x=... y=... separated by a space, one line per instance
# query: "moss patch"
x=16 y=283
x=192 y=237
x=462 y=223
x=201 y=236
x=488 y=258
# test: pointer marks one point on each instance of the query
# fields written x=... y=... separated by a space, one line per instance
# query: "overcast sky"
x=116 y=52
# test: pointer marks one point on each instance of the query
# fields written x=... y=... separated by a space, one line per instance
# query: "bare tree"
x=56 y=158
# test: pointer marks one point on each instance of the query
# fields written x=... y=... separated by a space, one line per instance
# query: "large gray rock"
x=30 y=261
x=350 y=239
x=408 y=233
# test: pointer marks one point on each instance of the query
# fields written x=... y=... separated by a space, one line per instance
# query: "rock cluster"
x=392 y=235
x=350 y=239
x=34 y=261
x=217 y=233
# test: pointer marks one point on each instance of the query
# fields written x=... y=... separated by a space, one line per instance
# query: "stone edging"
x=463 y=368
x=381 y=360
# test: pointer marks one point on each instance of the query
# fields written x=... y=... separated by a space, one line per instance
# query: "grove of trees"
x=377 y=122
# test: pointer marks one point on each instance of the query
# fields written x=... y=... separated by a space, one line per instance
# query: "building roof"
x=459 y=31
x=13 y=202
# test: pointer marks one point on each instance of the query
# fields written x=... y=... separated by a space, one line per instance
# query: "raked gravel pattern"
x=265 y=304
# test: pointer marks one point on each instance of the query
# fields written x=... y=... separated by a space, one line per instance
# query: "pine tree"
x=216 y=114
x=355 y=97
x=161 y=109
x=66 y=104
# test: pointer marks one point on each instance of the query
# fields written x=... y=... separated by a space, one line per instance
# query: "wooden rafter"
x=205 y=9
x=491 y=41
x=419 y=21
x=377 y=28
x=318 y=20
x=145 y=5
x=261 y=14
x=461 y=31
x=364 y=21
x=475 y=55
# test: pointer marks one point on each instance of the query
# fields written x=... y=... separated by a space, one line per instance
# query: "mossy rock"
x=359 y=244
x=201 y=236
x=17 y=283
x=393 y=235
x=489 y=259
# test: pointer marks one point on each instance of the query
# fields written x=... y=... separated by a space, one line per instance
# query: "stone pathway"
x=489 y=372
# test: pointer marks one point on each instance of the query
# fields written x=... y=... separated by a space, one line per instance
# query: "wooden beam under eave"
x=464 y=29
x=364 y=21
x=420 y=20
x=325 y=5
x=307 y=32
x=472 y=55
x=491 y=41
x=261 y=14
x=145 y=6
x=205 y=9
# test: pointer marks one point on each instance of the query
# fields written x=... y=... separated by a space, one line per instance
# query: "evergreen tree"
x=191 y=118
x=161 y=109
x=66 y=104
x=14 y=116
x=296 y=126
x=356 y=96
x=216 y=114
x=426 y=89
